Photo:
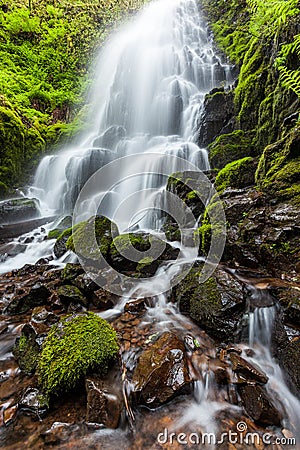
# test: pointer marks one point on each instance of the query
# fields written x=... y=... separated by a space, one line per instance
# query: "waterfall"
x=152 y=78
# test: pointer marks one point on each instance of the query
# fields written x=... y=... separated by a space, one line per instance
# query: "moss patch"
x=237 y=174
x=74 y=347
x=230 y=147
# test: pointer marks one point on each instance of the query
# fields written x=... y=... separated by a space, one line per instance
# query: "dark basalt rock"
x=247 y=371
x=290 y=361
x=110 y=137
x=85 y=284
x=103 y=299
x=71 y=294
x=259 y=406
x=217 y=305
x=70 y=272
x=162 y=371
x=27 y=348
x=104 y=400
x=21 y=303
x=60 y=246
x=217 y=116
x=18 y=209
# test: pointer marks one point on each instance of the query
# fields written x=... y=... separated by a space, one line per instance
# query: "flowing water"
x=151 y=82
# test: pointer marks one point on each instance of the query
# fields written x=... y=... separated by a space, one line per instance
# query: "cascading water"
x=151 y=82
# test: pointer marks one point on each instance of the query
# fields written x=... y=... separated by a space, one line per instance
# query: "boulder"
x=259 y=406
x=62 y=225
x=162 y=371
x=290 y=361
x=69 y=293
x=104 y=400
x=217 y=305
x=21 y=303
x=18 y=209
x=27 y=348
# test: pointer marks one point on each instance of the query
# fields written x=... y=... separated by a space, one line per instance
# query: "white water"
x=152 y=78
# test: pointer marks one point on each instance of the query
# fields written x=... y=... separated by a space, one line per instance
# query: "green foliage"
x=227 y=148
x=75 y=346
x=46 y=54
x=287 y=63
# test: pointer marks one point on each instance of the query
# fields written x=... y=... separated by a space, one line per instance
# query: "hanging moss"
x=75 y=346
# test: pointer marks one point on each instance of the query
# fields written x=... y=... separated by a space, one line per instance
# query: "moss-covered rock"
x=90 y=238
x=64 y=224
x=75 y=346
x=278 y=172
x=70 y=272
x=230 y=147
x=216 y=305
x=27 y=349
x=237 y=174
x=60 y=247
x=71 y=294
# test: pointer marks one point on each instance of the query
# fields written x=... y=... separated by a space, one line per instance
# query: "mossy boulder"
x=230 y=147
x=63 y=224
x=237 y=174
x=18 y=209
x=60 y=247
x=92 y=238
x=217 y=305
x=27 y=349
x=71 y=272
x=140 y=252
x=71 y=294
x=278 y=171
x=75 y=346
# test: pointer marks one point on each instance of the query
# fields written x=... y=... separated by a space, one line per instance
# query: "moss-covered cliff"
x=46 y=50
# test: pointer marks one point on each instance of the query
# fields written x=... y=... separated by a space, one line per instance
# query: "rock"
x=104 y=400
x=21 y=303
x=103 y=299
x=10 y=414
x=110 y=137
x=289 y=299
x=12 y=249
x=290 y=361
x=18 y=209
x=259 y=406
x=60 y=245
x=70 y=272
x=34 y=402
x=69 y=293
x=86 y=284
x=63 y=225
x=162 y=371
x=14 y=230
x=217 y=116
x=230 y=147
x=237 y=174
x=247 y=371
x=40 y=315
x=135 y=306
x=217 y=305
x=140 y=252
x=27 y=348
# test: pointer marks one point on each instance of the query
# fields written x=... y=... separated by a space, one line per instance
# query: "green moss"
x=144 y=263
x=237 y=174
x=26 y=351
x=122 y=243
x=64 y=224
x=75 y=346
x=230 y=147
x=90 y=236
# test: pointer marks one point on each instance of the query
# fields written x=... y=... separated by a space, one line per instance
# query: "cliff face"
x=260 y=140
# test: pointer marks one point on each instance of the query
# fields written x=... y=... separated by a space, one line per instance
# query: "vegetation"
x=237 y=174
x=46 y=51
x=76 y=345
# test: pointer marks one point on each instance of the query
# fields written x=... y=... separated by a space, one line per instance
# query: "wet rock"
x=86 y=284
x=14 y=230
x=34 y=402
x=289 y=299
x=69 y=293
x=18 y=209
x=12 y=249
x=21 y=303
x=27 y=348
x=135 y=306
x=70 y=272
x=110 y=137
x=140 y=252
x=247 y=371
x=104 y=400
x=60 y=433
x=217 y=116
x=103 y=299
x=259 y=406
x=217 y=305
x=60 y=245
x=40 y=315
x=10 y=414
x=63 y=225
x=162 y=371
x=290 y=361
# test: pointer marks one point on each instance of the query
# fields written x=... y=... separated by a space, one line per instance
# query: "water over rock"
x=18 y=209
